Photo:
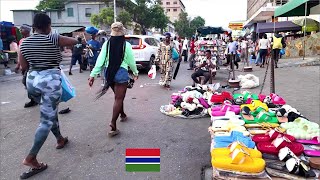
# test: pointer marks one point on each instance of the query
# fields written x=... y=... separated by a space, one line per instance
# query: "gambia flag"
x=143 y=160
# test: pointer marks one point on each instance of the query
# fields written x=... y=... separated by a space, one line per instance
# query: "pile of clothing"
x=267 y=138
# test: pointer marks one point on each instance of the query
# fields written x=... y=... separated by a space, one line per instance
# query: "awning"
x=66 y=29
x=263 y=14
x=277 y=26
x=295 y=8
x=210 y=30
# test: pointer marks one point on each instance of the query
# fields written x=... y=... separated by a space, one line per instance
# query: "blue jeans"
x=45 y=88
x=122 y=76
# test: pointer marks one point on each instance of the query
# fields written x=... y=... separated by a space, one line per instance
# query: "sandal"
x=64 y=144
x=123 y=119
x=113 y=132
x=271 y=135
x=34 y=171
x=232 y=147
x=279 y=143
x=240 y=160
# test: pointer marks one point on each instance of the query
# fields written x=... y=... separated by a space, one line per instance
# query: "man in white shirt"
x=185 y=49
x=176 y=43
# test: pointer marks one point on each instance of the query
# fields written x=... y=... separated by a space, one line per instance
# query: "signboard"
x=236 y=26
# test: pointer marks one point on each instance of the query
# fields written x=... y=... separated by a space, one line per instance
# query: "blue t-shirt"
x=95 y=44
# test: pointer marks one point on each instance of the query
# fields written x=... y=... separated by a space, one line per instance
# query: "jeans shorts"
x=122 y=76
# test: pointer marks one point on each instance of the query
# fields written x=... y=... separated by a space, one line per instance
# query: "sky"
x=215 y=12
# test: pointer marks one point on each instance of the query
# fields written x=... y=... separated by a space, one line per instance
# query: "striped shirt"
x=42 y=51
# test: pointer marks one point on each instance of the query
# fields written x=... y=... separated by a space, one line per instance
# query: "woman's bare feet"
x=62 y=142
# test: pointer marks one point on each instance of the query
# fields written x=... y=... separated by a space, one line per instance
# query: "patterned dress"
x=166 y=63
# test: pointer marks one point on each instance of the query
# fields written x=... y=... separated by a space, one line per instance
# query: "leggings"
x=199 y=73
x=45 y=88
x=276 y=54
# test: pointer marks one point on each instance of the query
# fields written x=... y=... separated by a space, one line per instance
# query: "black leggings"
x=263 y=54
x=276 y=54
x=234 y=60
x=199 y=73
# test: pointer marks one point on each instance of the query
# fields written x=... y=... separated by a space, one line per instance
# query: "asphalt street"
x=184 y=143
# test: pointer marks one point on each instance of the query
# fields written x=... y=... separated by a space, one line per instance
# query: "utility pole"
x=115 y=10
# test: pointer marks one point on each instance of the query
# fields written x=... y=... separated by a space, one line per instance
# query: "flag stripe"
x=142 y=156
x=142 y=152
x=142 y=163
x=142 y=159
x=143 y=167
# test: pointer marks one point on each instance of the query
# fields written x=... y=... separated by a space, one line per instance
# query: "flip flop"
x=271 y=135
x=315 y=163
x=314 y=141
x=113 y=133
x=312 y=153
x=123 y=119
x=33 y=171
x=65 y=143
x=246 y=114
x=65 y=111
x=235 y=145
x=280 y=142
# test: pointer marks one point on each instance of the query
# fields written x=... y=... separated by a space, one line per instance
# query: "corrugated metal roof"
x=66 y=29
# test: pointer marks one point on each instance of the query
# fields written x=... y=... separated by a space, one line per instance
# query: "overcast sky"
x=215 y=12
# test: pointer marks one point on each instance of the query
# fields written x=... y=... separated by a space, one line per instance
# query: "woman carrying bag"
x=166 y=55
x=116 y=55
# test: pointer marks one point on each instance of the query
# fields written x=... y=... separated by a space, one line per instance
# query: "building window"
x=70 y=12
x=168 y=10
x=88 y=12
x=167 y=3
x=59 y=14
x=175 y=10
x=175 y=2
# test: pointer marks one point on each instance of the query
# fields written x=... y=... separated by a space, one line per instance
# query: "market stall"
x=257 y=136
x=272 y=27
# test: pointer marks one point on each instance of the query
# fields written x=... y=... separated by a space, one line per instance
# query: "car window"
x=152 y=42
x=134 y=41
x=156 y=42
x=149 y=41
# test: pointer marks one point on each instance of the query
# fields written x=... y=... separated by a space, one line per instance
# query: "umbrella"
x=176 y=70
x=210 y=30
x=312 y=25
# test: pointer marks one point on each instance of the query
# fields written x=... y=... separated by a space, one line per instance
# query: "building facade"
x=173 y=8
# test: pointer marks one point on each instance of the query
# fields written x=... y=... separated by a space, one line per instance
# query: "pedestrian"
x=263 y=49
x=77 y=52
x=25 y=31
x=41 y=53
x=244 y=50
x=116 y=55
x=94 y=46
x=176 y=43
x=164 y=58
x=192 y=54
x=278 y=43
x=232 y=52
x=207 y=69
x=185 y=49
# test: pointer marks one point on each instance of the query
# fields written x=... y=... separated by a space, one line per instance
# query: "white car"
x=145 y=49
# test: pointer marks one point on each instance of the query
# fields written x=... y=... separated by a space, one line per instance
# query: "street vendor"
x=207 y=68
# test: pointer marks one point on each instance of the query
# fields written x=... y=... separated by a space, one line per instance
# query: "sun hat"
x=117 y=29
x=91 y=30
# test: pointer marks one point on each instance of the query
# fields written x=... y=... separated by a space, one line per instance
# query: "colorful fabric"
x=45 y=88
x=166 y=63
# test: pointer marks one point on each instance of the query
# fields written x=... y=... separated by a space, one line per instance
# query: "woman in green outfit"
x=117 y=56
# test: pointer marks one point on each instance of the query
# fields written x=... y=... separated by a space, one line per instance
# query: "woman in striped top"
x=40 y=53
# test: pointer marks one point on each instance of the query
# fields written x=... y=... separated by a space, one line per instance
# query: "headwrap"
x=26 y=27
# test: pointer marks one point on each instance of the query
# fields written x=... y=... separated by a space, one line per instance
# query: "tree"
x=125 y=18
x=50 y=4
x=160 y=19
x=186 y=27
x=196 y=23
x=104 y=18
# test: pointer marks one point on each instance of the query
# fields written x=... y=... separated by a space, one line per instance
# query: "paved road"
x=92 y=155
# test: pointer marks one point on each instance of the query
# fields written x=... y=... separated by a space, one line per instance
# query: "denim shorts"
x=122 y=76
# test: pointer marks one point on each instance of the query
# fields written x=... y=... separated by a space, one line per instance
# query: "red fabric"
x=192 y=46
x=13 y=32
x=220 y=98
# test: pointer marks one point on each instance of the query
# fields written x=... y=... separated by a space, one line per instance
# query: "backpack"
x=277 y=44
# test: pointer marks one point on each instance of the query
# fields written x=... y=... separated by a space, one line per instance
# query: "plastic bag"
x=152 y=72
x=68 y=91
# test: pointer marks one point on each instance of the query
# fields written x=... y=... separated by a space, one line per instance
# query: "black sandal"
x=64 y=111
x=34 y=171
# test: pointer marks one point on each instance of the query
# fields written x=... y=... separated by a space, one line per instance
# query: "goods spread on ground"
x=253 y=135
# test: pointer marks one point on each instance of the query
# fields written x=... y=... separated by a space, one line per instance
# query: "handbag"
x=68 y=91
x=175 y=54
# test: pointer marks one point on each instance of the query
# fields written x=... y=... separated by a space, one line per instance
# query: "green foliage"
x=125 y=18
x=186 y=27
x=104 y=18
x=50 y=4
x=160 y=19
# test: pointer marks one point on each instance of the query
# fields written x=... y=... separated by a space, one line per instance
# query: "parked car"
x=145 y=49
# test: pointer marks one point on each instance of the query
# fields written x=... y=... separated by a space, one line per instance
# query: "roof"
x=33 y=10
x=66 y=29
x=282 y=26
x=83 y=1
